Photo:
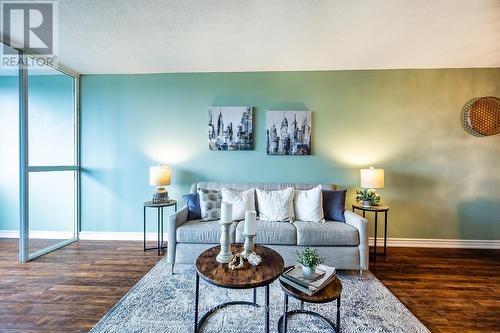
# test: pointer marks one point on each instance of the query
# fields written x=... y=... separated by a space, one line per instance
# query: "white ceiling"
x=139 y=36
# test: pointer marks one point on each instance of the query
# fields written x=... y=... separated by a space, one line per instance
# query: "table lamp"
x=372 y=179
x=159 y=176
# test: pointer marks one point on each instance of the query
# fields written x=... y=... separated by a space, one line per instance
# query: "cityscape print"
x=288 y=133
x=230 y=128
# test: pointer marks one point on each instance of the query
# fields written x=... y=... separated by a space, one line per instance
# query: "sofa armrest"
x=174 y=221
x=361 y=224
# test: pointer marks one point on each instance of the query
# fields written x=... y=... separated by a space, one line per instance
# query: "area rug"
x=161 y=302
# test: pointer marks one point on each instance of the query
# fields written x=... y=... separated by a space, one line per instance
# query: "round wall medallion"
x=481 y=116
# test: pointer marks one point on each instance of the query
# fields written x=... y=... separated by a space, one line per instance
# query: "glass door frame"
x=25 y=169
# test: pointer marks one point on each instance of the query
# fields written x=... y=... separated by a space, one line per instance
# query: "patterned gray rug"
x=162 y=302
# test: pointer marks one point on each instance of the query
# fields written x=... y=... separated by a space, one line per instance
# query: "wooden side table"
x=376 y=209
x=159 y=207
x=250 y=277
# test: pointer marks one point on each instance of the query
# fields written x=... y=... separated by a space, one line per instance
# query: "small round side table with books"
x=329 y=293
x=159 y=207
x=376 y=210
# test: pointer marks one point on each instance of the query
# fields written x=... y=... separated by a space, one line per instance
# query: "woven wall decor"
x=481 y=116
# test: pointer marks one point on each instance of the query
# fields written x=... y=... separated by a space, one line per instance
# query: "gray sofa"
x=345 y=245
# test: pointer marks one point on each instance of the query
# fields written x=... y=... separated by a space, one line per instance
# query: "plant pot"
x=366 y=203
x=308 y=272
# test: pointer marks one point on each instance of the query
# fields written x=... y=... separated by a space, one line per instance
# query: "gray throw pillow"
x=210 y=202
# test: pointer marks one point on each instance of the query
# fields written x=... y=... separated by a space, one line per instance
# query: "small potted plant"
x=309 y=259
x=368 y=196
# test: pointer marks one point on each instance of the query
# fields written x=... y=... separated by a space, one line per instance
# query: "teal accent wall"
x=440 y=181
x=51 y=104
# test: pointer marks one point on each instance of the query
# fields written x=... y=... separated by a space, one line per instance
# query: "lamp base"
x=160 y=197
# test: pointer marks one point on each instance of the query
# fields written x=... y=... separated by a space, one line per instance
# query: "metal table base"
x=199 y=323
x=159 y=247
x=283 y=321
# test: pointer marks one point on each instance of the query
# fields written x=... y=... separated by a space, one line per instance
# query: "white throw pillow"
x=242 y=201
x=308 y=205
x=275 y=205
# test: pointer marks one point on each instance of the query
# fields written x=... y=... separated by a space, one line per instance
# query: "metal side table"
x=331 y=292
x=159 y=207
x=376 y=210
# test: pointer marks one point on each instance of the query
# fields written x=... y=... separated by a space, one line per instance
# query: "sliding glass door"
x=9 y=151
x=50 y=168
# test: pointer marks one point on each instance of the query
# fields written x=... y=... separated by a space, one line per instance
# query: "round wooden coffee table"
x=329 y=293
x=250 y=277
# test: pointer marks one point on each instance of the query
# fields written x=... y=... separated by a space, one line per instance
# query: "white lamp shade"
x=159 y=175
x=372 y=178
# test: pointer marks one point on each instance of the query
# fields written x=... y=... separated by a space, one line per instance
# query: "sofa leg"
x=172 y=269
x=361 y=273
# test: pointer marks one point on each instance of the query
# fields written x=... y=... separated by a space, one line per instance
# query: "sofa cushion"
x=276 y=205
x=210 y=201
x=260 y=186
x=334 y=205
x=198 y=231
x=327 y=233
x=193 y=205
x=308 y=205
x=242 y=201
x=270 y=233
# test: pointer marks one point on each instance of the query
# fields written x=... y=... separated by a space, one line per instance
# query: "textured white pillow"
x=275 y=205
x=209 y=204
x=242 y=201
x=308 y=205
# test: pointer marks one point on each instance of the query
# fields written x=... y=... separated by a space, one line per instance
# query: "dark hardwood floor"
x=69 y=290
x=449 y=290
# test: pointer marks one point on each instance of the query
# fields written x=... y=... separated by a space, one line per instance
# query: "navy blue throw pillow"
x=193 y=206
x=334 y=205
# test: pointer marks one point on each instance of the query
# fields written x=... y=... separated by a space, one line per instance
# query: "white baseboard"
x=438 y=243
x=391 y=242
x=125 y=236
x=87 y=235
x=9 y=234
x=38 y=234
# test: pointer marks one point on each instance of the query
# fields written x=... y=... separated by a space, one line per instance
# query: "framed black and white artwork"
x=288 y=133
x=230 y=128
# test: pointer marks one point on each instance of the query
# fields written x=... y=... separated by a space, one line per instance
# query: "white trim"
x=129 y=236
x=9 y=234
x=87 y=235
x=391 y=242
x=438 y=243
x=38 y=234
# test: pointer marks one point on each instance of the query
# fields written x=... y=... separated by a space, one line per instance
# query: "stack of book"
x=295 y=278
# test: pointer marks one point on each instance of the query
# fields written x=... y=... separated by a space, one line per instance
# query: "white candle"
x=226 y=213
x=250 y=222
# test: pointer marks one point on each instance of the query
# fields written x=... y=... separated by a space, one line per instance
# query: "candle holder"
x=248 y=246
x=225 y=254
